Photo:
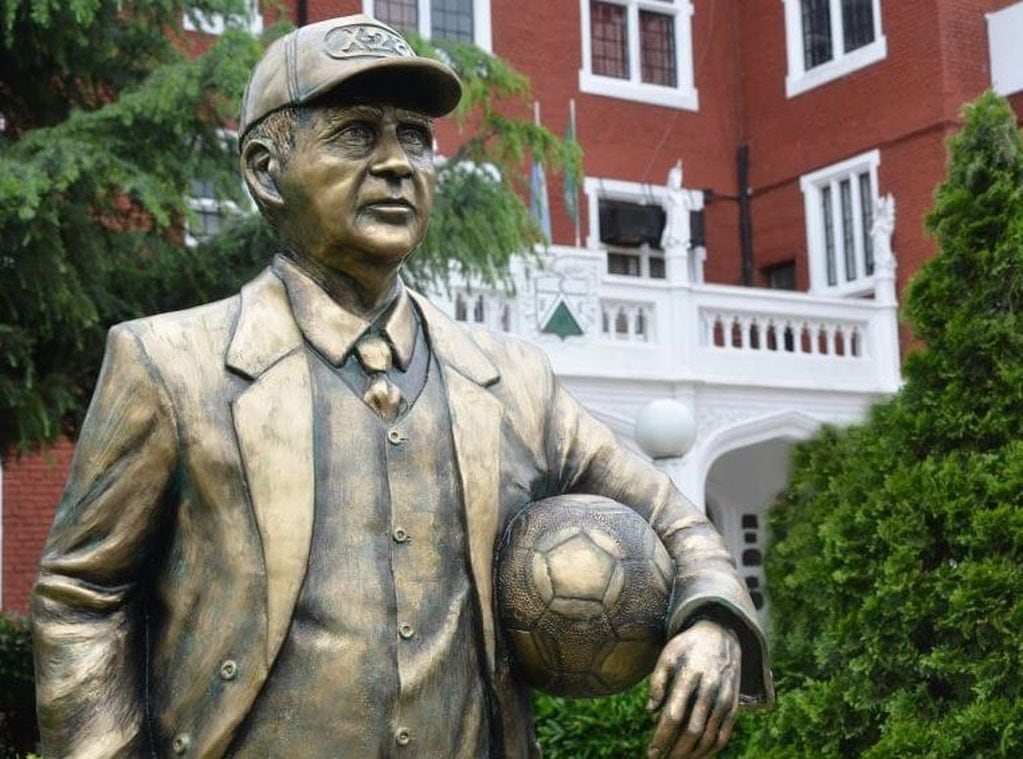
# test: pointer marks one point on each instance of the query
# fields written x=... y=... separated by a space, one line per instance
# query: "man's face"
x=358 y=186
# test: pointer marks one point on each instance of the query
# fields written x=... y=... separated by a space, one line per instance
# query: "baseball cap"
x=356 y=56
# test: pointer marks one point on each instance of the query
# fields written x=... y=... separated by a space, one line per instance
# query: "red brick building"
x=791 y=116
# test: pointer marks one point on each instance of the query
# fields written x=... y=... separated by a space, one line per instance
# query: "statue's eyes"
x=358 y=134
x=415 y=138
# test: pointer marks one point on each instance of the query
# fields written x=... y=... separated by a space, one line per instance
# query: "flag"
x=571 y=188
x=539 y=204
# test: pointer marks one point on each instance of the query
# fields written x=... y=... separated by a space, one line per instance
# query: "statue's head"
x=336 y=140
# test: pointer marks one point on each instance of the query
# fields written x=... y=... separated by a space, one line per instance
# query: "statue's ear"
x=261 y=168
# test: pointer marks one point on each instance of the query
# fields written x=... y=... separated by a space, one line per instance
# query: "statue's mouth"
x=391 y=207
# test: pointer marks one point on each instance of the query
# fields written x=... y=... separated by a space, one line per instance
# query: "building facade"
x=757 y=284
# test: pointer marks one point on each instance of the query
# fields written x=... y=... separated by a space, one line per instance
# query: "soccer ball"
x=583 y=585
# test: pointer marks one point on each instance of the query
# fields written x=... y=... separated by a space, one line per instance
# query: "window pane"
x=867 y=205
x=816 y=33
x=620 y=263
x=657 y=48
x=657 y=268
x=781 y=276
x=451 y=19
x=609 y=40
x=403 y=14
x=829 y=236
x=857 y=23
x=202 y=188
x=848 y=235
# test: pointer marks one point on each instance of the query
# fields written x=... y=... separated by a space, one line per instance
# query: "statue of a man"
x=278 y=533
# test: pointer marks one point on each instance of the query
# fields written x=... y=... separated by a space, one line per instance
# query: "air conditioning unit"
x=630 y=225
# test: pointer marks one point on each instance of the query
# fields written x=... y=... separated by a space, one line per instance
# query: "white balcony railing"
x=647 y=329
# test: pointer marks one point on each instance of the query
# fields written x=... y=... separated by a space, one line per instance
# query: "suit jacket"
x=178 y=550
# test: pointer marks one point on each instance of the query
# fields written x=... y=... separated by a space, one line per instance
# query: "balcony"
x=669 y=333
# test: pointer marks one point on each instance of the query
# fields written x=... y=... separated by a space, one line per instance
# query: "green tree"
x=107 y=119
x=105 y=122
x=896 y=572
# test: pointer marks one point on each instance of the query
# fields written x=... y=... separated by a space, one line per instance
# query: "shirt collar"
x=332 y=329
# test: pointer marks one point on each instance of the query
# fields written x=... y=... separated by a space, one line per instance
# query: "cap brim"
x=419 y=84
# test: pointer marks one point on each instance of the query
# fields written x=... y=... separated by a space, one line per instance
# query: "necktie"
x=382 y=395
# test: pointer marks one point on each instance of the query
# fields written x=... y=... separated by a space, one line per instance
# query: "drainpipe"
x=745 y=215
x=303 y=13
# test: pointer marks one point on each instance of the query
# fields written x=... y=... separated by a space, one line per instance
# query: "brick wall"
x=32 y=485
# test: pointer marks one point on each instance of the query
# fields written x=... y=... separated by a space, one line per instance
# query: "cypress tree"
x=896 y=571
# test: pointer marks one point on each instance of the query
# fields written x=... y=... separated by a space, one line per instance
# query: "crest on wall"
x=562 y=299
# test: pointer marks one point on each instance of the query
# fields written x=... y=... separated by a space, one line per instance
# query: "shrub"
x=18 y=733
x=896 y=569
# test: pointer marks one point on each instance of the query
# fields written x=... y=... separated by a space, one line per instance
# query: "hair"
x=277 y=128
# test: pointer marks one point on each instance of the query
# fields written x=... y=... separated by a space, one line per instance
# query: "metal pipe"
x=303 y=13
x=745 y=215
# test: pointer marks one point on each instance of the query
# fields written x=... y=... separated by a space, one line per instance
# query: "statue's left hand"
x=703 y=666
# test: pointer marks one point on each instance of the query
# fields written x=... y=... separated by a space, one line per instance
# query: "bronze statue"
x=278 y=532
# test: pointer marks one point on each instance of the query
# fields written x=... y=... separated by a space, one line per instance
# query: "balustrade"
x=783 y=334
x=622 y=320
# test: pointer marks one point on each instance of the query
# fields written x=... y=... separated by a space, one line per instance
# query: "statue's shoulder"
x=194 y=334
x=510 y=353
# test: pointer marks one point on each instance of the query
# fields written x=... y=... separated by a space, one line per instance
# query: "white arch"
x=779 y=425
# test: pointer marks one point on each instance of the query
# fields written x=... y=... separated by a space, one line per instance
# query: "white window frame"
x=1004 y=31
x=800 y=79
x=482 y=36
x=812 y=184
x=683 y=96
x=597 y=189
x=226 y=208
x=216 y=23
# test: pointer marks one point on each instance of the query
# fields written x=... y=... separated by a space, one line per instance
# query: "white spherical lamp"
x=665 y=429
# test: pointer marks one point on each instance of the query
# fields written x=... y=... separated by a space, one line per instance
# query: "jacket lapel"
x=273 y=423
x=476 y=428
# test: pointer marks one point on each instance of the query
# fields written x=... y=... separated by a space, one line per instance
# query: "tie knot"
x=374 y=354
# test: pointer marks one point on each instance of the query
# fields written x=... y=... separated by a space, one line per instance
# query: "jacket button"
x=406 y=631
x=395 y=436
x=402 y=736
x=181 y=743
x=400 y=536
x=228 y=670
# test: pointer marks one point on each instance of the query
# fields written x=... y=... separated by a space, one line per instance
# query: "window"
x=627 y=221
x=639 y=50
x=461 y=20
x=209 y=209
x=781 y=276
x=631 y=232
x=208 y=212
x=828 y=39
x=839 y=204
x=196 y=21
x=1004 y=31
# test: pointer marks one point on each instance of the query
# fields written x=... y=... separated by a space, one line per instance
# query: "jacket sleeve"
x=584 y=456
x=86 y=610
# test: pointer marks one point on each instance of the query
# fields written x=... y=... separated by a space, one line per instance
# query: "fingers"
x=675 y=710
x=725 y=704
x=695 y=728
x=726 y=727
x=667 y=662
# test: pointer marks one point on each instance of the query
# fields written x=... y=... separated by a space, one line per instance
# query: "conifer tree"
x=896 y=571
